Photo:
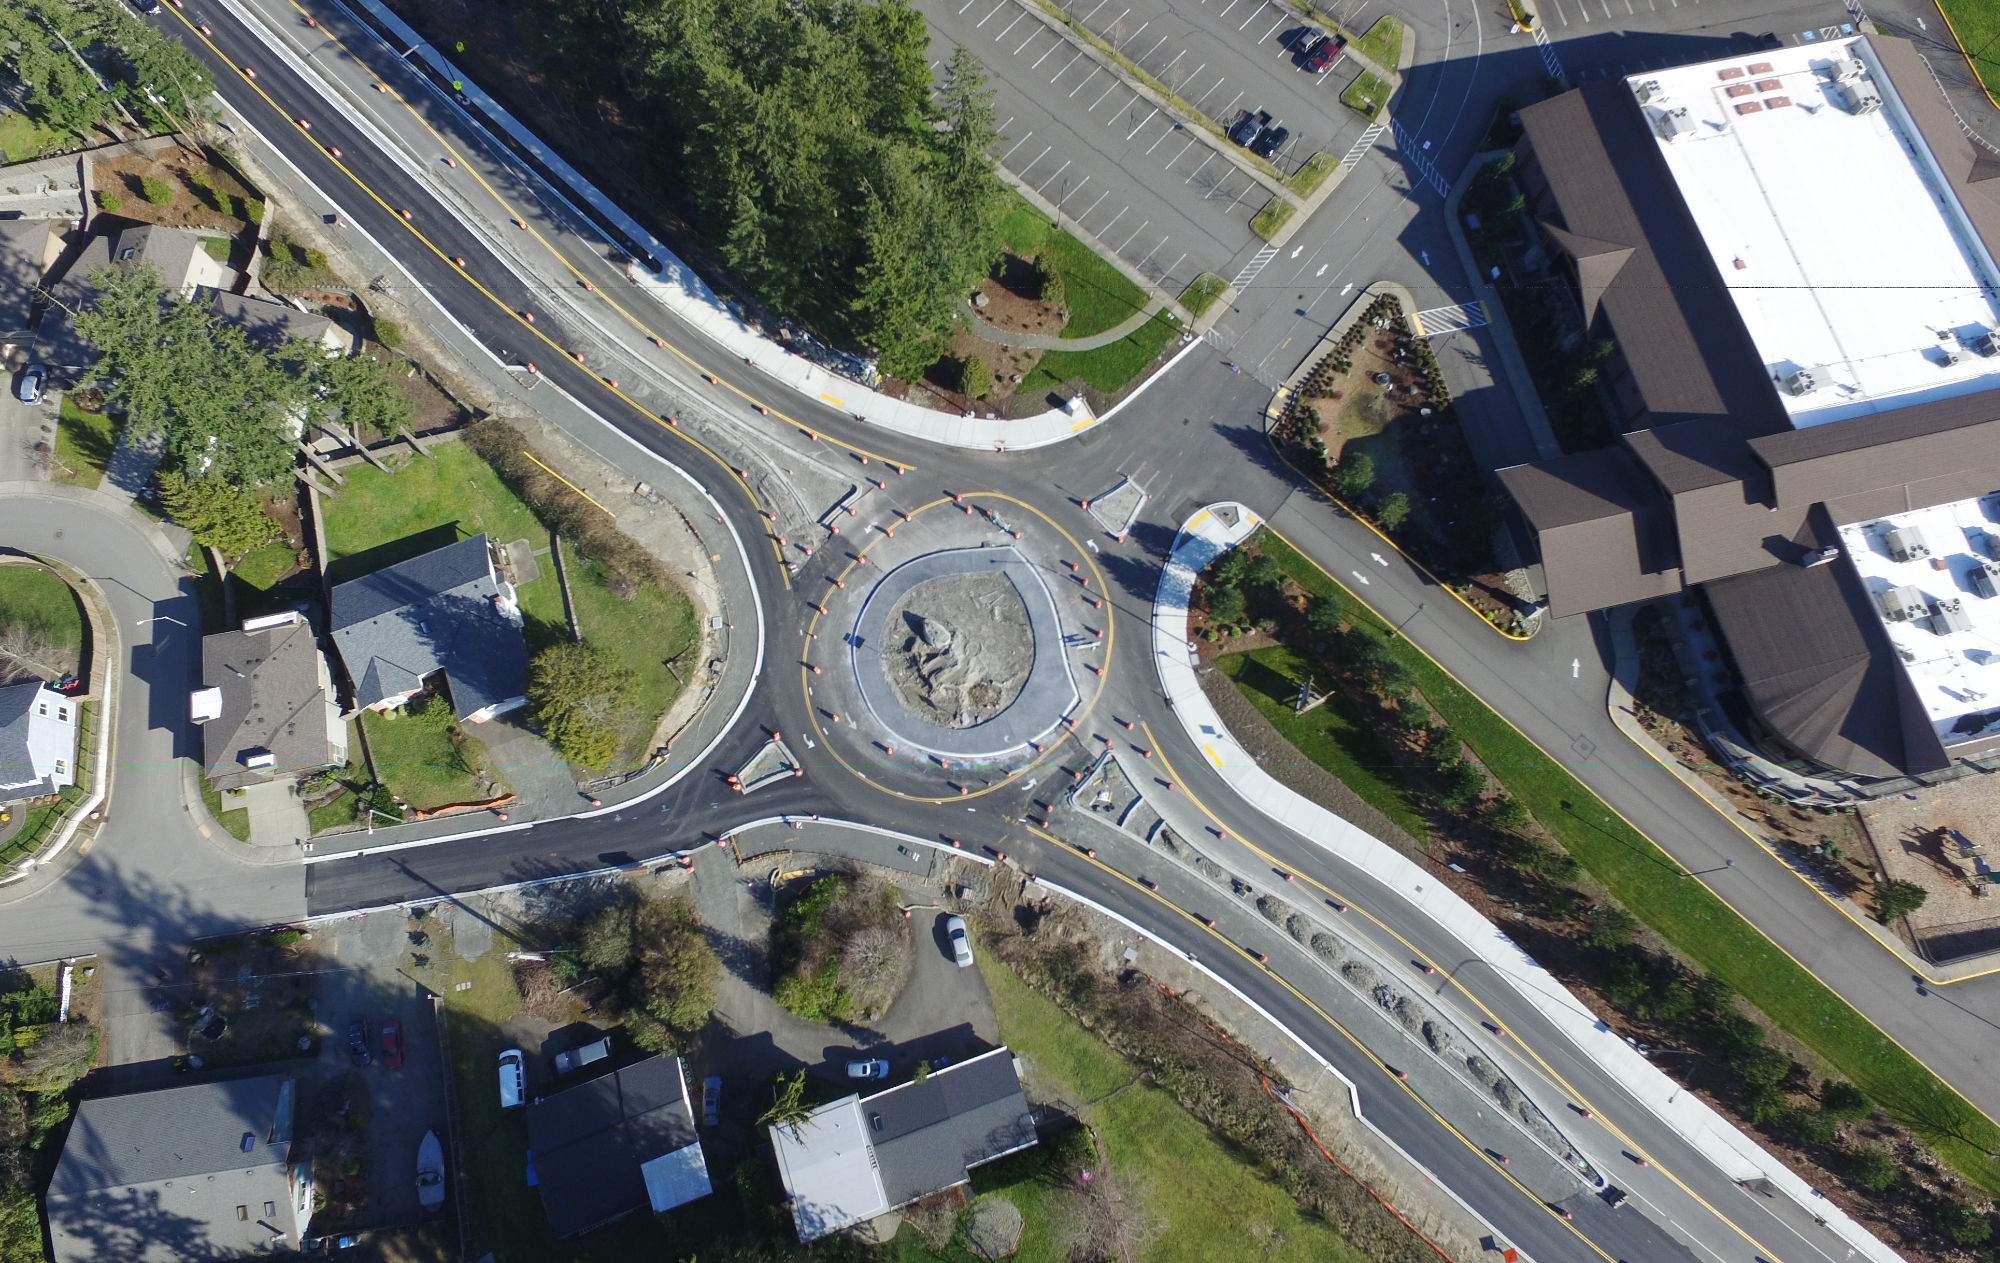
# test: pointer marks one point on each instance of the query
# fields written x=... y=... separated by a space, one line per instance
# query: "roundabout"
x=957 y=641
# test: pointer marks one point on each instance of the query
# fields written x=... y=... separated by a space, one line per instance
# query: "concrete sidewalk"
x=1207 y=535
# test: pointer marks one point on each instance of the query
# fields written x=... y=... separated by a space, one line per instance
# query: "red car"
x=392 y=1044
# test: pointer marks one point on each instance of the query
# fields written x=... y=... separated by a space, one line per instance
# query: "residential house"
x=28 y=249
x=449 y=612
x=616 y=1145
x=198 y=1172
x=269 y=325
x=176 y=256
x=860 y=1157
x=37 y=741
x=266 y=704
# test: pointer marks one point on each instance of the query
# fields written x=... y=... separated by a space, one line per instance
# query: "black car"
x=357 y=1043
x=1270 y=140
x=1246 y=129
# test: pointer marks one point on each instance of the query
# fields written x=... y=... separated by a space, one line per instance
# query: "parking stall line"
x=1010 y=26
x=1093 y=11
x=1177 y=263
x=1142 y=123
x=1230 y=108
x=1023 y=171
x=1031 y=39
x=1114 y=219
x=1198 y=170
x=1045 y=56
x=1093 y=206
x=1079 y=187
x=1066 y=65
x=1120 y=18
x=1249 y=186
x=1220 y=80
x=1192 y=142
x=1086 y=80
x=1154 y=253
x=1194 y=74
x=1226 y=8
x=1607 y=9
x=967 y=5
x=1156 y=144
x=1154 y=49
x=1017 y=145
x=1100 y=100
x=1059 y=170
x=1002 y=129
x=1135 y=232
x=989 y=17
x=1283 y=52
x=1175 y=62
x=1136 y=34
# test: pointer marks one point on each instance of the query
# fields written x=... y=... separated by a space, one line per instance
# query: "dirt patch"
x=1014 y=300
x=251 y=1000
x=1917 y=839
x=962 y=649
x=217 y=208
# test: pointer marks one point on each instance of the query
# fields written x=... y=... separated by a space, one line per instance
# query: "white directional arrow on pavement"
x=1322 y=270
x=1295 y=251
x=1346 y=289
x=1575 y=668
x=1380 y=560
x=1357 y=574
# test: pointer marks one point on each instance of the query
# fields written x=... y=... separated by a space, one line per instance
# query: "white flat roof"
x=830 y=1169
x=1956 y=671
x=1839 y=239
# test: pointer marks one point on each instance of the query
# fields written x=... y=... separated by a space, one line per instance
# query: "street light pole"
x=162 y=618
x=1398 y=629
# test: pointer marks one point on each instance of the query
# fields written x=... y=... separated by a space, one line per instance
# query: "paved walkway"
x=1213 y=531
x=1053 y=342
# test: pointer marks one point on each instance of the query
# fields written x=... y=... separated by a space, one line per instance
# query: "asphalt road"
x=1206 y=453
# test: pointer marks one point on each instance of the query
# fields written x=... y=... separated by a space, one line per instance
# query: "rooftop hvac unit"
x=1674 y=124
x=1649 y=92
x=1985 y=579
x=1858 y=98
x=1906 y=543
x=1900 y=605
x=1849 y=70
x=1820 y=556
x=1801 y=382
x=1987 y=343
x=1948 y=616
x=1948 y=356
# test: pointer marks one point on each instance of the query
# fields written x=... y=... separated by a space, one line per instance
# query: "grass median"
x=1975 y=24
x=1383 y=44
x=1690 y=917
x=1366 y=95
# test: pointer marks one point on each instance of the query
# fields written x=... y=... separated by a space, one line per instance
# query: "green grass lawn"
x=39 y=822
x=1687 y=914
x=382 y=518
x=1276 y=214
x=1333 y=735
x=1098 y=295
x=1367 y=95
x=263 y=567
x=1976 y=24
x=1202 y=292
x=42 y=604
x=1307 y=179
x=1383 y=44
x=1107 y=369
x=22 y=138
x=645 y=633
x=83 y=445
x=426 y=767
x=236 y=821
x=1210 y=1203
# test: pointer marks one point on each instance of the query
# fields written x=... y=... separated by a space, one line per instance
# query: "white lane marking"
x=1017 y=145
x=1142 y=124
x=1357 y=574
x=1086 y=80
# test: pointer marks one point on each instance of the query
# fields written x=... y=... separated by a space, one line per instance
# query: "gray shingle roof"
x=268 y=324
x=589 y=1141
x=932 y=1133
x=16 y=764
x=24 y=262
x=160 y=1175
x=436 y=612
x=272 y=701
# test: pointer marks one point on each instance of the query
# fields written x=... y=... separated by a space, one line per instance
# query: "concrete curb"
x=1203 y=538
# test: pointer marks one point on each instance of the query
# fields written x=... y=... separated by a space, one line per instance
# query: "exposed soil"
x=192 y=207
x=962 y=649
x=1009 y=365
x=1014 y=300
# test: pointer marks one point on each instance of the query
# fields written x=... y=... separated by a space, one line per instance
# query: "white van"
x=513 y=1079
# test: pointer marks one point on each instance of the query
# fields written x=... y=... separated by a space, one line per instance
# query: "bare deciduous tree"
x=1105 y=1218
x=28 y=652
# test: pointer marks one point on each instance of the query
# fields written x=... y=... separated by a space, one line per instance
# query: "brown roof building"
x=1769 y=396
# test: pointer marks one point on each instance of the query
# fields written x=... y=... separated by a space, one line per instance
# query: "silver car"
x=29 y=388
x=875 y=1068
x=961 y=945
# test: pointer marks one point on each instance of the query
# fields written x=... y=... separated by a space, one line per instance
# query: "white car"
x=29 y=388
x=961 y=946
x=513 y=1079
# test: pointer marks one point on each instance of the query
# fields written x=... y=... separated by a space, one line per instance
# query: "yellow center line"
x=517 y=317
x=1547 y=1072
x=523 y=220
x=1202 y=923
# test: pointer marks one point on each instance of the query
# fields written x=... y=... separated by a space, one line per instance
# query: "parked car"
x=874 y=1068
x=1322 y=53
x=392 y=1044
x=1270 y=141
x=357 y=1042
x=151 y=8
x=577 y=1058
x=1246 y=129
x=513 y=1079
x=29 y=388
x=711 y=1100
x=961 y=946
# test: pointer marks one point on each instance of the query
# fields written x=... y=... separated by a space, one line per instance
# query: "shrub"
x=1813 y=1127
x=156 y=190
x=1393 y=511
x=286 y=937
x=252 y=210
x=110 y=202
x=388 y=333
x=1050 y=283
x=1870 y=1167
x=1843 y=1100
x=975 y=380
x=1609 y=927
x=1463 y=784
x=316 y=259
x=1897 y=899
x=1226 y=605
x=1962 y=1223
x=1762 y=1103
x=1354 y=475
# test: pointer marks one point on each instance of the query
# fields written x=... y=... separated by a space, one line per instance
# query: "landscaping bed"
x=1372 y=425
x=201 y=193
x=840 y=949
x=1536 y=852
